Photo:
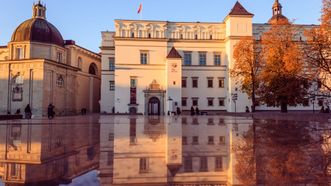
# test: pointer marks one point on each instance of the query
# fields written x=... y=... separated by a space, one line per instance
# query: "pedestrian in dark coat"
x=50 y=111
x=192 y=111
x=28 y=112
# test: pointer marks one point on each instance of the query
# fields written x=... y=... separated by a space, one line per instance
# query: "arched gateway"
x=154 y=99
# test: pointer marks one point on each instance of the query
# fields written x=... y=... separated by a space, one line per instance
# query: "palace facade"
x=152 y=67
x=38 y=67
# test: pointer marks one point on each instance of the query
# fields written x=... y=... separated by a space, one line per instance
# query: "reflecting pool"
x=160 y=151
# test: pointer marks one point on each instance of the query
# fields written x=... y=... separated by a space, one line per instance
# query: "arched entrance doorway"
x=154 y=106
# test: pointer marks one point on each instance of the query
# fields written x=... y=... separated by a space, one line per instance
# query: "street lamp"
x=234 y=99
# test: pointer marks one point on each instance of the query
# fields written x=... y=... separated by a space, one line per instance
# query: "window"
x=210 y=121
x=184 y=82
x=210 y=82
x=60 y=81
x=80 y=63
x=133 y=91
x=132 y=34
x=59 y=57
x=210 y=102
x=93 y=70
x=203 y=164
x=221 y=102
x=184 y=140
x=187 y=58
x=19 y=53
x=143 y=58
x=143 y=165
x=210 y=140
x=195 y=121
x=202 y=58
x=14 y=170
x=217 y=59
x=188 y=167
x=320 y=102
x=218 y=163
x=111 y=63
x=195 y=140
x=184 y=121
x=133 y=83
x=184 y=102
x=195 y=101
x=222 y=140
x=221 y=83
x=111 y=85
x=195 y=83
x=110 y=137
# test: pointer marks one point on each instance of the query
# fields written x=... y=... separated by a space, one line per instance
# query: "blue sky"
x=83 y=20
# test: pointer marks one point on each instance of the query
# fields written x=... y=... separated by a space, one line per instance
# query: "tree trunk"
x=284 y=107
x=253 y=94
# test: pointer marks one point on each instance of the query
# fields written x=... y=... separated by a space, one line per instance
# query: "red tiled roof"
x=173 y=54
x=238 y=9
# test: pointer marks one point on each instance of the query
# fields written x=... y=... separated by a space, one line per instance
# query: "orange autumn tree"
x=317 y=49
x=282 y=75
x=246 y=67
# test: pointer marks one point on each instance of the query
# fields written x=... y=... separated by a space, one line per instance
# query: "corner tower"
x=239 y=24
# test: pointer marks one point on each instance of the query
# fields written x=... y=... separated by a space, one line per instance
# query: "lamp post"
x=234 y=99
x=170 y=105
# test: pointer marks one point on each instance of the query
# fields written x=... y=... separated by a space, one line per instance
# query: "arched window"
x=80 y=63
x=93 y=69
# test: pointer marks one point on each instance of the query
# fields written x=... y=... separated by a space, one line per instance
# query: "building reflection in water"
x=48 y=153
x=163 y=151
x=160 y=151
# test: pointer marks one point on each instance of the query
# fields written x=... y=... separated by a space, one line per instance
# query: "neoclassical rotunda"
x=38 y=67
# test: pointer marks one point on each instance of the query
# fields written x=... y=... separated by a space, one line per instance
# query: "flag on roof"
x=140 y=8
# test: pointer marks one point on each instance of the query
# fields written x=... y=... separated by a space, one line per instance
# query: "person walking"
x=322 y=109
x=50 y=111
x=247 y=109
x=178 y=111
x=192 y=111
x=197 y=111
x=28 y=112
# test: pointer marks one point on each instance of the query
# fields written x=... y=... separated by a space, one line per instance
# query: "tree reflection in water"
x=284 y=153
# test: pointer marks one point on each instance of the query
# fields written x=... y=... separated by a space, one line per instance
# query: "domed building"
x=39 y=67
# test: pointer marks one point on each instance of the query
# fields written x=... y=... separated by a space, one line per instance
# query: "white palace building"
x=152 y=67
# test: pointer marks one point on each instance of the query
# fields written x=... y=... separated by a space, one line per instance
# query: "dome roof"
x=37 y=30
x=278 y=19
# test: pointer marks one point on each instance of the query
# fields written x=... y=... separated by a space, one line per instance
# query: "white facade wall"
x=157 y=38
x=107 y=75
